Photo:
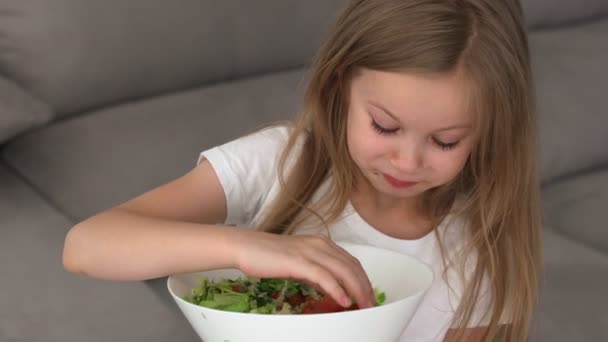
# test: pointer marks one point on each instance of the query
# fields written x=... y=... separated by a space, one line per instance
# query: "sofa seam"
x=31 y=186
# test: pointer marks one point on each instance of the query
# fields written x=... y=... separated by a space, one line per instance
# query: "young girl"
x=417 y=135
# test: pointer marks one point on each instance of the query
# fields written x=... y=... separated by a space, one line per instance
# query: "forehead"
x=442 y=98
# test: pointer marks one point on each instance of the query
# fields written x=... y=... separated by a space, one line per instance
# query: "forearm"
x=120 y=245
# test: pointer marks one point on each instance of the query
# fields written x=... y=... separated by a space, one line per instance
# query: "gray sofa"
x=103 y=100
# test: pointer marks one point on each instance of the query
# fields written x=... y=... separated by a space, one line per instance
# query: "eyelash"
x=384 y=131
x=444 y=146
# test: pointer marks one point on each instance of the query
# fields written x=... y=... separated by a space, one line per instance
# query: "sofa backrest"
x=78 y=55
x=62 y=57
x=550 y=13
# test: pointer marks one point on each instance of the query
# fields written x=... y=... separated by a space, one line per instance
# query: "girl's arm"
x=167 y=230
x=173 y=229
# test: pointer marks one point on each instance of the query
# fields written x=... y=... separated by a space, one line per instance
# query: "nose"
x=407 y=158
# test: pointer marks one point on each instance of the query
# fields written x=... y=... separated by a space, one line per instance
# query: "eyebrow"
x=387 y=112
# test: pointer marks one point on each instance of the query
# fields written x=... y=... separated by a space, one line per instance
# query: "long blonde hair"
x=487 y=39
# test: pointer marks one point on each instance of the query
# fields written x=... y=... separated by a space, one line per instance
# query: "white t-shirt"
x=247 y=170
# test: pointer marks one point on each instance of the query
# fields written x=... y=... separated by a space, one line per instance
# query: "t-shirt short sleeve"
x=247 y=170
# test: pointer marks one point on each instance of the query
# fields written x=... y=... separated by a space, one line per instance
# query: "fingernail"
x=346 y=301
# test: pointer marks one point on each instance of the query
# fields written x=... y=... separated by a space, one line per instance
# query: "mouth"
x=398 y=183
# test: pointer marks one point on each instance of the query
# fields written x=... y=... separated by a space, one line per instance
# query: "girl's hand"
x=315 y=260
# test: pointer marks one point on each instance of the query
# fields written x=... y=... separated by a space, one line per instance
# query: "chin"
x=406 y=193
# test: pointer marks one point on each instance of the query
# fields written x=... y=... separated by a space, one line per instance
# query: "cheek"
x=447 y=165
x=356 y=146
x=360 y=138
x=365 y=146
x=372 y=149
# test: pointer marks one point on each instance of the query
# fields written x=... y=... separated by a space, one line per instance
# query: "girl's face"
x=408 y=133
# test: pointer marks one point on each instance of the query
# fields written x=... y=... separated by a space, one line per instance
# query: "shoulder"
x=272 y=134
x=272 y=138
x=247 y=170
x=258 y=150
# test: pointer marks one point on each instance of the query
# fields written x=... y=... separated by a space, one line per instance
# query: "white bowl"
x=403 y=279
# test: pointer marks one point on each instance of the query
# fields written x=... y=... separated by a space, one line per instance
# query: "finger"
x=352 y=278
x=328 y=284
x=366 y=297
x=361 y=273
x=346 y=269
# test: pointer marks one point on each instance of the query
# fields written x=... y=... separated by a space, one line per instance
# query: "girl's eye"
x=445 y=146
x=382 y=130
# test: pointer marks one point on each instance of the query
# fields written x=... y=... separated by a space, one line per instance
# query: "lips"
x=397 y=183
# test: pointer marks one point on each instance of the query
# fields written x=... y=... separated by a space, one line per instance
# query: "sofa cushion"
x=573 y=297
x=570 y=70
x=577 y=207
x=19 y=110
x=546 y=13
x=42 y=302
x=79 y=54
x=97 y=160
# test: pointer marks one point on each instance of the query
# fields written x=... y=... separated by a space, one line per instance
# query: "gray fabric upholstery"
x=78 y=55
x=547 y=13
x=151 y=83
x=19 y=111
x=570 y=96
x=573 y=292
x=126 y=150
x=578 y=207
x=41 y=302
x=571 y=68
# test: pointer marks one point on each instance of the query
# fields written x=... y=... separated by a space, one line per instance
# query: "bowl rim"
x=420 y=292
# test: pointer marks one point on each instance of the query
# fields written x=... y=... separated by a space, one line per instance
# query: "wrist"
x=233 y=243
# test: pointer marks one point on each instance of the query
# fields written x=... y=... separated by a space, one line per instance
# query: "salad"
x=266 y=296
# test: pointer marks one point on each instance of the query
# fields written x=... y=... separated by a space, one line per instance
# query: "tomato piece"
x=296 y=299
x=239 y=288
x=293 y=300
x=308 y=308
x=326 y=305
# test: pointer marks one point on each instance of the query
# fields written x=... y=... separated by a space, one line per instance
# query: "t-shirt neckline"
x=352 y=216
